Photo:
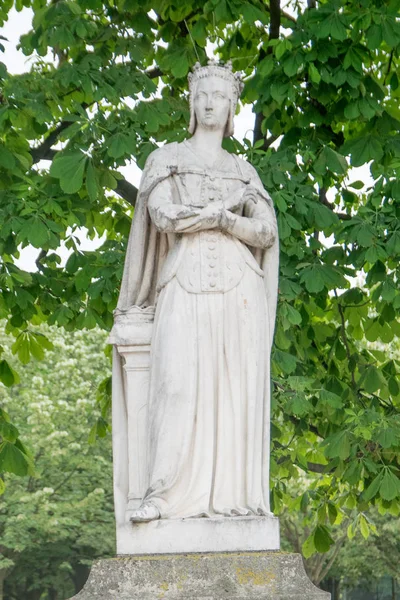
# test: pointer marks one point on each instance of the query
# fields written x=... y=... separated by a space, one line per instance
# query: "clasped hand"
x=220 y=213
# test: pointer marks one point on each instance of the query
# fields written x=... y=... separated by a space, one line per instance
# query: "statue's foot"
x=147 y=512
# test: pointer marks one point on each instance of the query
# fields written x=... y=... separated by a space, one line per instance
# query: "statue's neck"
x=207 y=144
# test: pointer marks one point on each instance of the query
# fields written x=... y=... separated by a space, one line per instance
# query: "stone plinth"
x=213 y=576
x=176 y=536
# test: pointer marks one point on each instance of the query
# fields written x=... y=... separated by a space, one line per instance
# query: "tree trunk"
x=79 y=577
x=2 y=579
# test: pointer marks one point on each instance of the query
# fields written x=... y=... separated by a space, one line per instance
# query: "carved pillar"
x=136 y=375
x=131 y=336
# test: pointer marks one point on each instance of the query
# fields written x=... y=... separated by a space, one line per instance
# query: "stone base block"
x=214 y=576
x=177 y=536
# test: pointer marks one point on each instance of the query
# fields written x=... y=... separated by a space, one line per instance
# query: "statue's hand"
x=250 y=195
x=211 y=214
x=237 y=200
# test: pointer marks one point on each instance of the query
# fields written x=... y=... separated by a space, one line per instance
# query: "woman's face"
x=212 y=103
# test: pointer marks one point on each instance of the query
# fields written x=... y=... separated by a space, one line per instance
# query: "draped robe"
x=215 y=297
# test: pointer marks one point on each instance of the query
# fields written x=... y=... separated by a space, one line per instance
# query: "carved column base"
x=213 y=576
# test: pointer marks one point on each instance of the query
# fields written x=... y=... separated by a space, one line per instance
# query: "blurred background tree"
x=56 y=521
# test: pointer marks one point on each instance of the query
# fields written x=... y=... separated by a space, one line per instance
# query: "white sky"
x=20 y=23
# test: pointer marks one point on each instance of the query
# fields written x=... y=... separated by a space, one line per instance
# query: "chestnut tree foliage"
x=106 y=85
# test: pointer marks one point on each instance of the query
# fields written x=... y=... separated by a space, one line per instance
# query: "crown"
x=215 y=69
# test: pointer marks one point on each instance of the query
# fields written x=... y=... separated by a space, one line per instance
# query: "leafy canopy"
x=324 y=89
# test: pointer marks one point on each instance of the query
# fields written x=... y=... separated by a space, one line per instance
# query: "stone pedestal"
x=177 y=536
x=212 y=576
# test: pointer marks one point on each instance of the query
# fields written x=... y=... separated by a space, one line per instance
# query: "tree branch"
x=324 y=572
x=345 y=340
x=274 y=27
x=38 y=261
x=324 y=200
x=44 y=151
x=154 y=73
x=275 y=22
x=318 y=468
x=312 y=428
x=124 y=189
x=389 y=67
x=127 y=191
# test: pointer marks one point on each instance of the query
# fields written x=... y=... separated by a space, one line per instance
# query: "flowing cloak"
x=146 y=253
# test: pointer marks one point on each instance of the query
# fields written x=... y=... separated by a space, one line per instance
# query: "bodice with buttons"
x=212 y=262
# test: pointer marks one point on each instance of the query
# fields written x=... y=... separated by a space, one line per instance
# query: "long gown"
x=209 y=379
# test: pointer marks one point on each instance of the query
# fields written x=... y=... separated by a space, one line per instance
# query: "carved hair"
x=213 y=69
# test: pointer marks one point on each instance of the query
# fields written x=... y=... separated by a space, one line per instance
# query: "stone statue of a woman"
x=203 y=251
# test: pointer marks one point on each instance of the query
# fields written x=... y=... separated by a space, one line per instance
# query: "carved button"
x=212 y=265
x=213 y=283
x=211 y=247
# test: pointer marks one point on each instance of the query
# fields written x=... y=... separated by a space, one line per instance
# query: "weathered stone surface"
x=231 y=576
x=179 y=536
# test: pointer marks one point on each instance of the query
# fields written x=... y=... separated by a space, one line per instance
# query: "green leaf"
x=374 y=36
x=324 y=217
x=364 y=528
x=393 y=244
x=293 y=63
x=314 y=74
x=92 y=185
x=332 y=513
x=308 y=548
x=393 y=386
x=287 y=362
x=357 y=185
x=335 y=161
x=330 y=399
x=338 y=445
x=7 y=375
x=317 y=277
x=372 y=380
x=293 y=315
x=12 y=460
x=373 y=488
x=387 y=437
x=21 y=348
x=117 y=145
x=363 y=150
x=8 y=432
x=199 y=32
x=279 y=91
x=299 y=405
x=69 y=168
x=7 y=160
x=390 y=486
x=322 y=539
x=252 y=13
x=352 y=111
x=35 y=231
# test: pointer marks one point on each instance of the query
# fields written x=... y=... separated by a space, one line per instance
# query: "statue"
x=191 y=385
x=202 y=259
